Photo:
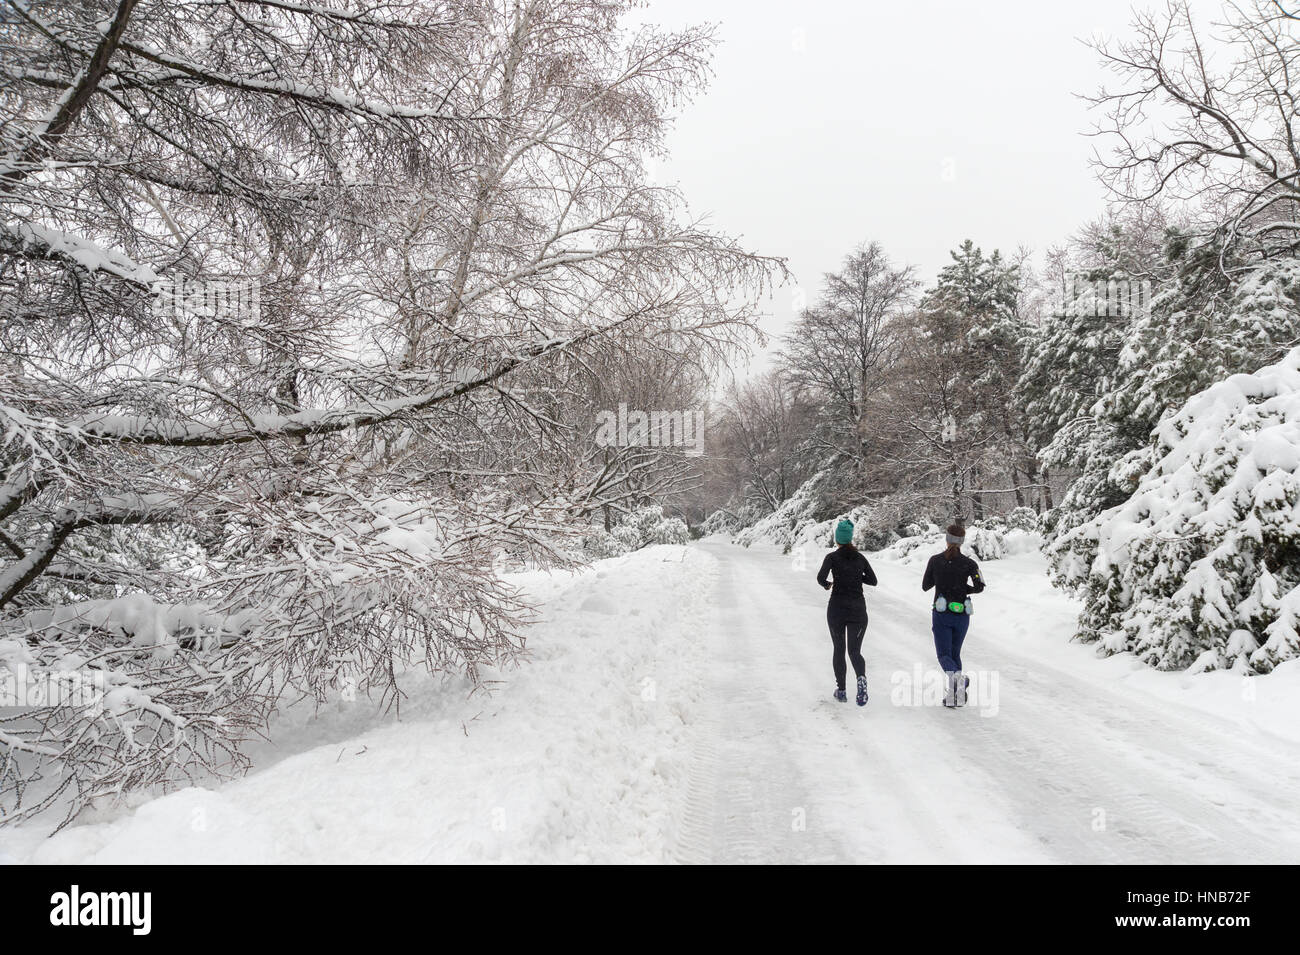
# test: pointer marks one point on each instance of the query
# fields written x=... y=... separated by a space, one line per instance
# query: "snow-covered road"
x=1064 y=763
x=676 y=707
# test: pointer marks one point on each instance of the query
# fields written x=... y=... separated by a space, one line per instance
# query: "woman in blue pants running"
x=954 y=577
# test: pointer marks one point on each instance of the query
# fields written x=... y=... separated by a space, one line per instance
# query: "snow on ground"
x=677 y=708
x=1061 y=757
x=576 y=756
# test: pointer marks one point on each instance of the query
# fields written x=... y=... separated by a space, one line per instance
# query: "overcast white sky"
x=918 y=124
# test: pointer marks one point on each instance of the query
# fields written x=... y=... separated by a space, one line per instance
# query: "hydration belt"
x=942 y=604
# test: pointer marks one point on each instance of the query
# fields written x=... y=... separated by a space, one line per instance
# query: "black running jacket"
x=849 y=570
x=954 y=579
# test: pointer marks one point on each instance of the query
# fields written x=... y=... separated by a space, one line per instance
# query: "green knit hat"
x=844 y=532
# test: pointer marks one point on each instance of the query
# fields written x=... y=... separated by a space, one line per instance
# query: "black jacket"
x=849 y=570
x=954 y=579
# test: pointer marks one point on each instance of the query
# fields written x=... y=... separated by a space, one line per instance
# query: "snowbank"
x=783 y=526
x=795 y=525
x=579 y=755
x=798 y=524
x=983 y=543
x=641 y=528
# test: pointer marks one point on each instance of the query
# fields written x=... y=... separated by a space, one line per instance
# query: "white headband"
x=953 y=538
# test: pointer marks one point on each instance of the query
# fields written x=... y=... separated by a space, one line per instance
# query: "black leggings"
x=847 y=631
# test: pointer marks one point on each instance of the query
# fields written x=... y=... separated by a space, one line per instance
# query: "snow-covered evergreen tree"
x=1200 y=566
x=1070 y=361
x=1200 y=329
x=985 y=290
x=1224 y=156
x=945 y=413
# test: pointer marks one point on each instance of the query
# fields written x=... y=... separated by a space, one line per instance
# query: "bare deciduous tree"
x=840 y=348
x=1223 y=139
x=761 y=439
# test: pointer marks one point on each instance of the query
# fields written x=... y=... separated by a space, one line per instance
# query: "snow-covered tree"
x=1201 y=327
x=1071 y=360
x=1199 y=566
x=1222 y=152
x=942 y=417
x=1202 y=113
x=299 y=308
x=984 y=293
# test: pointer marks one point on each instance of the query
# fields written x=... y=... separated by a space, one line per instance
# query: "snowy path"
x=1070 y=767
x=676 y=706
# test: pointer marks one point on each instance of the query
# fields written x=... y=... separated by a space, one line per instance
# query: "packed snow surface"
x=676 y=707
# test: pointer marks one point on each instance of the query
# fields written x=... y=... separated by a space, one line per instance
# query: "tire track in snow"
x=744 y=776
x=694 y=843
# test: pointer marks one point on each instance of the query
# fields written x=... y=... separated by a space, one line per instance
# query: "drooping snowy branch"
x=308 y=310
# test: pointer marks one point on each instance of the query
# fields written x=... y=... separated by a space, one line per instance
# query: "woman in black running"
x=846 y=613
